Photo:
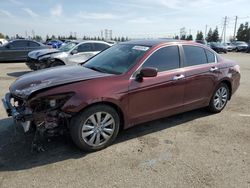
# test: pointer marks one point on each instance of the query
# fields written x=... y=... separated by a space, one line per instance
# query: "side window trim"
x=180 y=60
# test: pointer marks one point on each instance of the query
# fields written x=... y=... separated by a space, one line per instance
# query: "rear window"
x=194 y=55
x=100 y=46
x=210 y=56
x=33 y=44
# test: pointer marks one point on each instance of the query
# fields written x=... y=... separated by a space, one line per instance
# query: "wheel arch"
x=229 y=85
x=57 y=59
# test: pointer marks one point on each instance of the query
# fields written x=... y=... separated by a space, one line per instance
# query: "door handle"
x=178 y=77
x=213 y=69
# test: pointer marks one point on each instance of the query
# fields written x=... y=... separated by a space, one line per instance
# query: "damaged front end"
x=43 y=113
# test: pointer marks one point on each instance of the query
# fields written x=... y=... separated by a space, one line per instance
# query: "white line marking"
x=244 y=115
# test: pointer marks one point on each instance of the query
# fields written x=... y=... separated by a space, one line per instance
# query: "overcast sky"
x=132 y=18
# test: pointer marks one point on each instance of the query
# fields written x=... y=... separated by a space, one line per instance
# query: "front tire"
x=95 y=128
x=219 y=98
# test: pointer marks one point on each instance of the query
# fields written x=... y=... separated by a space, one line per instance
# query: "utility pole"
x=223 y=35
x=235 y=25
x=205 y=32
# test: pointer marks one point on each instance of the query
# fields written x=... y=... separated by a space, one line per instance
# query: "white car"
x=72 y=53
x=3 y=41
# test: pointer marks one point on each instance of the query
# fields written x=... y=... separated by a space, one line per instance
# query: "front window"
x=164 y=59
x=117 y=59
x=68 y=47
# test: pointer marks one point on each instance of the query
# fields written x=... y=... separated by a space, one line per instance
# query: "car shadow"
x=15 y=146
x=17 y=74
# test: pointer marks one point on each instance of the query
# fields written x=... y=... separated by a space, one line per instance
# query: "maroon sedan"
x=127 y=84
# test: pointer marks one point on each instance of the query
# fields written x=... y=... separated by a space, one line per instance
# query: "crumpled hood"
x=39 y=53
x=29 y=83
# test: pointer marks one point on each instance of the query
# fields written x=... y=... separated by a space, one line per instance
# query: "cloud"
x=56 y=11
x=6 y=13
x=96 y=16
x=140 y=20
x=30 y=12
x=16 y=2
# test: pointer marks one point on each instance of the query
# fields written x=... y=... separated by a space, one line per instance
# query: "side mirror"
x=74 y=52
x=146 y=72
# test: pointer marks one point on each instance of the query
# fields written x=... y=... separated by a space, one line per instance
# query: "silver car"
x=72 y=53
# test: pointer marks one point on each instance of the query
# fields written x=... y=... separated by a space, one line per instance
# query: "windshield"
x=68 y=46
x=117 y=59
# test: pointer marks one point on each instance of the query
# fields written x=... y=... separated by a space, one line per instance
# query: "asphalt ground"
x=193 y=149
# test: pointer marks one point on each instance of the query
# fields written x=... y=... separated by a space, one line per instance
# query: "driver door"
x=156 y=97
x=81 y=53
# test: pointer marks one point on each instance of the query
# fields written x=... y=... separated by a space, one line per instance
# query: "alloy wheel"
x=98 y=128
x=220 y=98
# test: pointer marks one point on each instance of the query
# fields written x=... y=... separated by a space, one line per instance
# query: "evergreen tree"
x=183 y=37
x=1 y=35
x=240 y=33
x=189 y=37
x=215 y=35
x=199 y=36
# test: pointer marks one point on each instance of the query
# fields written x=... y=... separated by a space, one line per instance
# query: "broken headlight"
x=50 y=102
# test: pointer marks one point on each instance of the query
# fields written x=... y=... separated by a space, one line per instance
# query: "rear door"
x=201 y=72
x=154 y=97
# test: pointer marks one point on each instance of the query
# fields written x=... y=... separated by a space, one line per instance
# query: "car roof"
x=93 y=41
x=23 y=40
x=155 y=42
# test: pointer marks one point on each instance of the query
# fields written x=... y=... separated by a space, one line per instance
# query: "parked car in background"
x=54 y=43
x=229 y=46
x=112 y=42
x=240 y=46
x=67 y=42
x=218 y=47
x=17 y=50
x=248 y=48
x=69 y=54
x=201 y=42
x=127 y=84
x=3 y=41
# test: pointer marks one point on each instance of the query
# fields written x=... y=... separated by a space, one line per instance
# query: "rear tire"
x=95 y=128
x=219 y=98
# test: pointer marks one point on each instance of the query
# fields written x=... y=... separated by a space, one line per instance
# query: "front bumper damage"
x=48 y=120
x=12 y=110
x=49 y=123
x=20 y=117
x=35 y=64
